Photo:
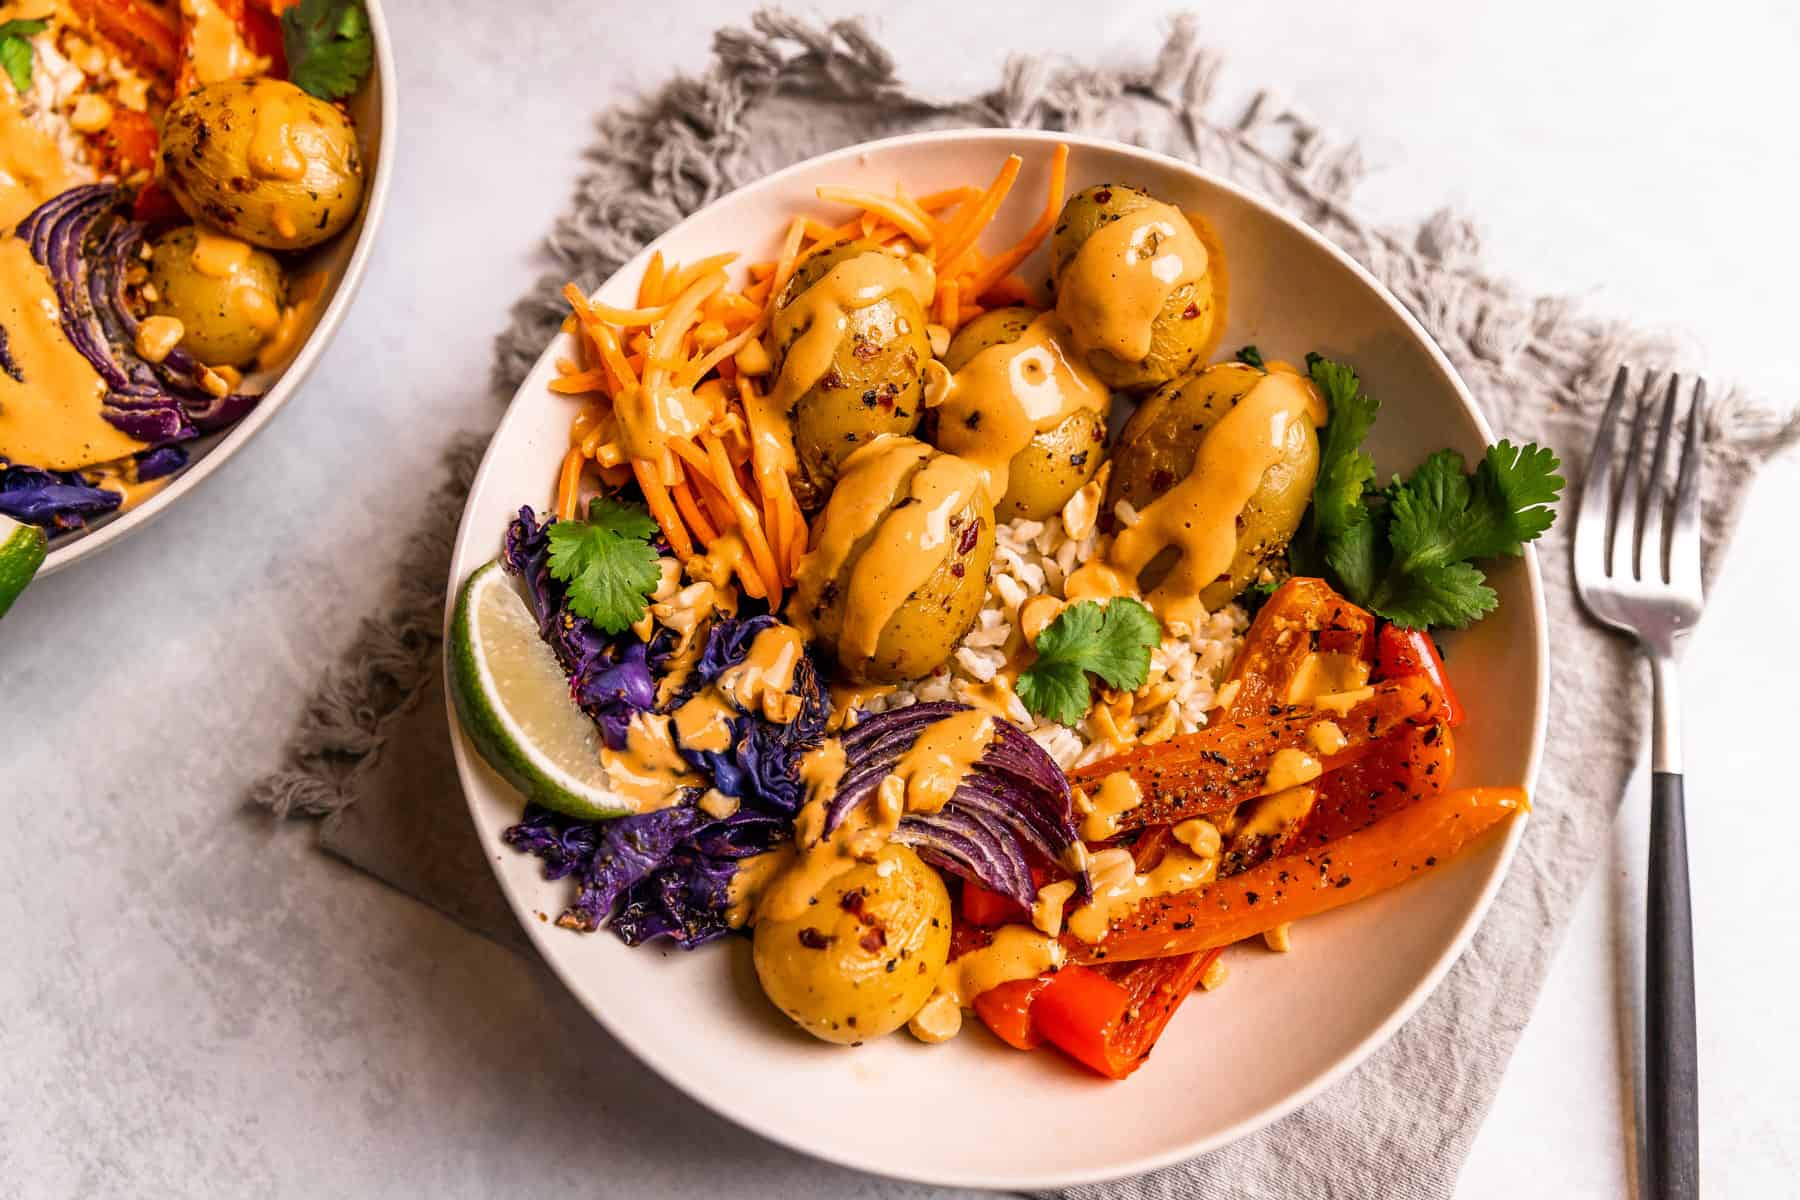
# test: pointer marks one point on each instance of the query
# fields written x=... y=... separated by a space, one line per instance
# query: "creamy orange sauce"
x=1323 y=672
x=869 y=481
x=294 y=321
x=785 y=882
x=1273 y=815
x=652 y=413
x=1118 y=795
x=50 y=416
x=1198 y=516
x=1342 y=702
x=849 y=698
x=1052 y=900
x=1017 y=952
x=906 y=551
x=1118 y=887
x=214 y=46
x=1119 y=280
x=272 y=153
x=218 y=254
x=650 y=771
x=929 y=773
x=818 y=318
x=32 y=167
x=704 y=723
x=1326 y=737
x=1290 y=767
x=764 y=681
x=1008 y=394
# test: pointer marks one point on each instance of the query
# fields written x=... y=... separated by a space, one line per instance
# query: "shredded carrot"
x=965 y=232
x=1007 y=262
x=935 y=202
x=579 y=382
x=568 y=484
x=904 y=216
x=651 y=284
x=656 y=497
x=731 y=480
x=690 y=512
x=790 y=257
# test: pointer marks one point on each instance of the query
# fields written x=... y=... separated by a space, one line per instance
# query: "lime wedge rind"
x=22 y=551
x=513 y=702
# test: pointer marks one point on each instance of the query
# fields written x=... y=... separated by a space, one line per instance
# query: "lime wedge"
x=22 y=549
x=514 y=702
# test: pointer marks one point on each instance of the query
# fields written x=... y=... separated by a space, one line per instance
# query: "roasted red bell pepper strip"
x=1402 y=652
x=155 y=206
x=1303 y=616
x=1305 y=883
x=1077 y=1011
x=1402 y=770
x=988 y=908
x=128 y=144
x=1228 y=762
x=1006 y=1010
x=141 y=33
x=254 y=27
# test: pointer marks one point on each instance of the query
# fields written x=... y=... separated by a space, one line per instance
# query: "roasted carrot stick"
x=1306 y=883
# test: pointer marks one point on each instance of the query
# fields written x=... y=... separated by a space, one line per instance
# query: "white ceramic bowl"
x=342 y=259
x=973 y=1112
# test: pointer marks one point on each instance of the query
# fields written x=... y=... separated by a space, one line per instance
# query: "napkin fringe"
x=392 y=658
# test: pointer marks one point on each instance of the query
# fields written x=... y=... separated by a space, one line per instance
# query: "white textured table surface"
x=196 y=1003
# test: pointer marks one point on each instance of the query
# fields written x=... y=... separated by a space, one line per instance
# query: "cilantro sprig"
x=1406 y=550
x=15 y=51
x=608 y=562
x=329 y=48
x=1112 y=641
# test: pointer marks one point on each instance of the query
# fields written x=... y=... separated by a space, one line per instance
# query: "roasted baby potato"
x=866 y=956
x=926 y=624
x=1182 y=331
x=874 y=384
x=1157 y=447
x=228 y=310
x=263 y=161
x=1041 y=477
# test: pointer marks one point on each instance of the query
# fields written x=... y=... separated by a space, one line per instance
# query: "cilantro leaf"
x=329 y=48
x=1058 y=690
x=15 y=51
x=1113 y=641
x=1449 y=594
x=1250 y=356
x=608 y=562
x=1405 y=550
x=1338 y=507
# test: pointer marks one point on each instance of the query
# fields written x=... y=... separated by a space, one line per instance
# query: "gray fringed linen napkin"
x=372 y=756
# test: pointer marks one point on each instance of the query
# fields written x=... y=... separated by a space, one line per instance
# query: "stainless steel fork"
x=1637 y=569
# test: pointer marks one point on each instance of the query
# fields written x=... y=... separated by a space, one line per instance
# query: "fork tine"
x=1653 y=501
x=1684 y=532
x=1592 y=515
x=1622 y=554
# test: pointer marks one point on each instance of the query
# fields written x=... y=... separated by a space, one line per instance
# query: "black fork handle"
x=1672 y=1109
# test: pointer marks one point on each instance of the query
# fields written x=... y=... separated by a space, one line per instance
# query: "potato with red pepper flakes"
x=868 y=380
x=1057 y=461
x=899 y=560
x=864 y=958
x=1157 y=448
x=1140 y=289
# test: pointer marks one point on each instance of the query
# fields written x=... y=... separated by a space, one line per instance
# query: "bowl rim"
x=86 y=545
x=539 y=933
